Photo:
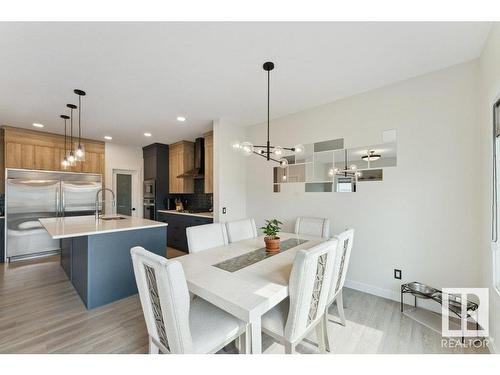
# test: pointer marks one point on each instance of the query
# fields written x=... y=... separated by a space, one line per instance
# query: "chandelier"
x=267 y=151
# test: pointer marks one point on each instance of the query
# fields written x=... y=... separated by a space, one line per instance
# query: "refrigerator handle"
x=57 y=202
x=63 y=205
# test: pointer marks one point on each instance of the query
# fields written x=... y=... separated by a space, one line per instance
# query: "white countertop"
x=75 y=226
x=199 y=214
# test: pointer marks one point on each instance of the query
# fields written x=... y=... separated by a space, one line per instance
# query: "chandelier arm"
x=267 y=157
x=289 y=148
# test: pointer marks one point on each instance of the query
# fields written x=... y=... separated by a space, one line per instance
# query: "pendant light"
x=65 y=161
x=71 y=156
x=79 y=149
x=371 y=156
x=268 y=150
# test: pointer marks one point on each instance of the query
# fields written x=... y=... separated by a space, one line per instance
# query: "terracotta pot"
x=272 y=245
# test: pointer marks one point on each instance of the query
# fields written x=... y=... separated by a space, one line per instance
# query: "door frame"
x=135 y=186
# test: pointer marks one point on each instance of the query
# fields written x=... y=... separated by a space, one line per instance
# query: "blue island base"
x=100 y=266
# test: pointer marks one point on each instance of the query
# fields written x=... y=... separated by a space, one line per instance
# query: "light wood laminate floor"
x=40 y=312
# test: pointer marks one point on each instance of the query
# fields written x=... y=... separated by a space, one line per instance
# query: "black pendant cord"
x=71 y=107
x=345 y=163
x=65 y=146
x=79 y=121
x=268 y=105
x=71 y=131
x=65 y=118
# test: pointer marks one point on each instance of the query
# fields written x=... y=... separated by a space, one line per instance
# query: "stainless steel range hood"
x=199 y=161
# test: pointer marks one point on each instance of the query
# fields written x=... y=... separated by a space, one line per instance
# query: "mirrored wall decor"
x=328 y=167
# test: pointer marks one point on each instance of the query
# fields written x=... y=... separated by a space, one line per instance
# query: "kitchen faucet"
x=103 y=190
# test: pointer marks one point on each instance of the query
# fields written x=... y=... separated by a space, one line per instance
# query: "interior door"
x=124 y=194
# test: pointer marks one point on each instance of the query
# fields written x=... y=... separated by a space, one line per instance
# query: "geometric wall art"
x=328 y=167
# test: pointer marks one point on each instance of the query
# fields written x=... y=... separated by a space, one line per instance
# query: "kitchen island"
x=95 y=254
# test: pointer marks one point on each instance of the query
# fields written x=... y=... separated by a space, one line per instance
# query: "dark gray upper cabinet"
x=156 y=168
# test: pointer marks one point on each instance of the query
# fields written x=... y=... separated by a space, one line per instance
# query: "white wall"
x=127 y=158
x=490 y=89
x=229 y=173
x=425 y=217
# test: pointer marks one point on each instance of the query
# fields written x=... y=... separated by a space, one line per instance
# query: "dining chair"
x=176 y=324
x=241 y=230
x=295 y=317
x=313 y=226
x=343 y=254
x=202 y=237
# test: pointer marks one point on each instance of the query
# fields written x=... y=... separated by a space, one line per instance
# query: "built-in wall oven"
x=149 y=209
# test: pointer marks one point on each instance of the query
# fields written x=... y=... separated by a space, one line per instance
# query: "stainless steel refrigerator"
x=31 y=195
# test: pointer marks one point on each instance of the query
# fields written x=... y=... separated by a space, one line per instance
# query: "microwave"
x=149 y=189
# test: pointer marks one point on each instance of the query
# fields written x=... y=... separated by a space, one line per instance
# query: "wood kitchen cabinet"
x=29 y=149
x=209 y=162
x=181 y=160
x=94 y=163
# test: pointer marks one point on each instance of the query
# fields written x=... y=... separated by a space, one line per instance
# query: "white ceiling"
x=140 y=76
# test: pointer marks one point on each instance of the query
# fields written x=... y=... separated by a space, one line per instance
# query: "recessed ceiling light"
x=147 y=134
x=181 y=118
x=37 y=125
x=109 y=138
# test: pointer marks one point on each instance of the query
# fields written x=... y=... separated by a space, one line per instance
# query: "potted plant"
x=271 y=230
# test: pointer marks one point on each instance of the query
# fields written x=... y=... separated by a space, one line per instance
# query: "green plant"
x=272 y=228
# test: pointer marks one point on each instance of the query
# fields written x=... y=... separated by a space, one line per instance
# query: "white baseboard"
x=390 y=294
x=370 y=289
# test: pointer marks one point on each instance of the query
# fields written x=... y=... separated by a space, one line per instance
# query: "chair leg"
x=320 y=336
x=340 y=307
x=243 y=342
x=248 y=342
x=153 y=349
x=289 y=348
x=327 y=334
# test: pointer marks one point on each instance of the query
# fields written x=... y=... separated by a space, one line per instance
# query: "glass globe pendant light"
x=79 y=147
x=71 y=156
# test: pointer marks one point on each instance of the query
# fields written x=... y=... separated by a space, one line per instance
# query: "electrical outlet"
x=397 y=274
x=224 y=211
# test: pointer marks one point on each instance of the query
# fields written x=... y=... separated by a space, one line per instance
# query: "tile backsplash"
x=198 y=200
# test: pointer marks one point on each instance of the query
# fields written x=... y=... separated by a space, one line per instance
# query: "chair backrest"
x=344 y=247
x=309 y=286
x=165 y=300
x=241 y=230
x=313 y=226
x=202 y=237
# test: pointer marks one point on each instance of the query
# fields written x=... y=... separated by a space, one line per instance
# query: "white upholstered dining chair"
x=313 y=226
x=309 y=285
x=175 y=323
x=202 y=237
x=343 y=254
x=240 y=230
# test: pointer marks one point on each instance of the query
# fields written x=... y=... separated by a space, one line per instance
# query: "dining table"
x=243 y=279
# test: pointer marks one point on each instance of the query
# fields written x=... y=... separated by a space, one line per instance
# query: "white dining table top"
x=250 y=291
